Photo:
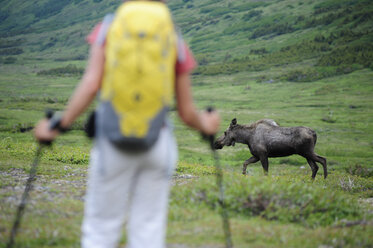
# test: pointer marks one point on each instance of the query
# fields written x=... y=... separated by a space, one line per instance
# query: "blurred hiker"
x=138 y=64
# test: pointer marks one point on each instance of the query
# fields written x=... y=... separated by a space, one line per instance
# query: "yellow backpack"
x=138 y=82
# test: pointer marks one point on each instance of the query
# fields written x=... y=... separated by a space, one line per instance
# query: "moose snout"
x=218 y=145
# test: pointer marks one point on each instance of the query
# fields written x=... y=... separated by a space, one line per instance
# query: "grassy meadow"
x=265 y=211
x=300 y=63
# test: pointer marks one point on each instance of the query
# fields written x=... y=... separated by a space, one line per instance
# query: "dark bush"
x=308 y=75
x=258 y=51
x=47 y=45
x=365 y=17
x=359 y=170
x=319 y=38
x=325 y=7
x=348 y=55
x=3 y=16
x=240 y=27
x=302 y=75
x=277 y=29
x=72 y=57
x=202 y=59
x=50 y=8
x=249 y=5
x=326 y=19
x=230 y=67
x=6 y=43
x=220 y=11
x=300 y=19
x=251 y=14
x=67 y=71
x=273 y=198
x=11 y=51
x=9 y=60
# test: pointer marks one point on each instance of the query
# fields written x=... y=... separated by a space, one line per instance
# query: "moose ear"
x=234 y=122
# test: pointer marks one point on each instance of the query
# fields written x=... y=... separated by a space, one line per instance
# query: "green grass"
x=346 y=143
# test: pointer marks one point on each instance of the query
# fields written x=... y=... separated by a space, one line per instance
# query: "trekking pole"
x=28 y=188
x=219 y=182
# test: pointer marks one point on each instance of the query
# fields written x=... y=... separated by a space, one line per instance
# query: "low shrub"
x=258 y=51
x=326 y=89
x=183 y=168
x=22 y=127
x=17 y=128
x=67 y=71
x=11 y=51
x=9 y=60
x=305 y=75
x=324 y=20
x=359 y=170
x=357 y=184
x=68 y=158
x=71 y=57
x=329 y=119
x=316 y=73
x=277 y=29
x=251 y=14
x=348 y=55
x=273 y=198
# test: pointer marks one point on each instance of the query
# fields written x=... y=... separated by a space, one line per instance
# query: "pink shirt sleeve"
x=91 y=38
x=187 y=64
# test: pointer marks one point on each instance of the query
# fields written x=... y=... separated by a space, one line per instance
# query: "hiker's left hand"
x=43 y=133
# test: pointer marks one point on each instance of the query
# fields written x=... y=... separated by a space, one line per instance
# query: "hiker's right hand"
x=210 y=122
x=43 y=133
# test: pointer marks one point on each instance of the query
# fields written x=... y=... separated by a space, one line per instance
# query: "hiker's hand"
x=210 y=122
x=43 y=133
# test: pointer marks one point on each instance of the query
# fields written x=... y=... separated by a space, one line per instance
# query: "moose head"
x=228 y=138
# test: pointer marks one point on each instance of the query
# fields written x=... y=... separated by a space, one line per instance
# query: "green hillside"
x=317 y=38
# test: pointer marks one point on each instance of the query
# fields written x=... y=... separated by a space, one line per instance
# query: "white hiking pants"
x=132 y=188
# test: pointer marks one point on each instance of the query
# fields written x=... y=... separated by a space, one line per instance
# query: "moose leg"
x=264 y=161
x=322 y=161
x=314 y=167
x=247 y=162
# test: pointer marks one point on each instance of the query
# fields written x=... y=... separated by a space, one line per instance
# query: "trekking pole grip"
x=48 y=114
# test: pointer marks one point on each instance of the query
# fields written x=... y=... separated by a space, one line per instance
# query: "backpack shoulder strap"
x=101 y=37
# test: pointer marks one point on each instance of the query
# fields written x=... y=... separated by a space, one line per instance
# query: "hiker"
x=134 y=152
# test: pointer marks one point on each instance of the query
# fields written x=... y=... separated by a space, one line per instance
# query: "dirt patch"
x=47 y=188
x=44 y=188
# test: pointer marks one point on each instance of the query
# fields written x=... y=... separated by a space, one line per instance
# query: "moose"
x=266 y=138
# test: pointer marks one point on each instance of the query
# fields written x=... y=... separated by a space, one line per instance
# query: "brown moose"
x=266 y=138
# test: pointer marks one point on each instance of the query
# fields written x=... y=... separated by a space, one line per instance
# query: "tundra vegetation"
x=297 y=62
